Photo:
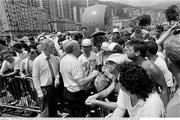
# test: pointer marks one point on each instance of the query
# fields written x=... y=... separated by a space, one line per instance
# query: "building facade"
x=19 y=19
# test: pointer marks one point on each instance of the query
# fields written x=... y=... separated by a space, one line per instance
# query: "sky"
x=142 y=2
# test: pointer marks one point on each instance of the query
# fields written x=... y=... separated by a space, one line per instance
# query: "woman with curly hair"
x=137 y=94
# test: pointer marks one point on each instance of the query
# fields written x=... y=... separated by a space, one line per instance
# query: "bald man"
x=74 y=79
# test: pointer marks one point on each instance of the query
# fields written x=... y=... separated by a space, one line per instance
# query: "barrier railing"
x=18 y=93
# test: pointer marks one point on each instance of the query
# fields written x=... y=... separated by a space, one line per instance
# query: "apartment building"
x=19 y=19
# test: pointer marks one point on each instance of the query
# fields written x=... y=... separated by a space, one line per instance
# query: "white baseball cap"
x=105 y=46
x=117 y=58
x=116 y=30
x=86 y=42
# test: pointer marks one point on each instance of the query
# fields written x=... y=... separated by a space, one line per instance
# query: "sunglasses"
x=34 y=52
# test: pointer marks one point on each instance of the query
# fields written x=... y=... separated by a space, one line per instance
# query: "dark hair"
x=152 y=47
x=61 y=38
x=78 y=36
x=118 y=49
x=135 y=80
x=160 y=27
x=32 y=47
x=138 y=46
x=31 y=39
x=17 y=45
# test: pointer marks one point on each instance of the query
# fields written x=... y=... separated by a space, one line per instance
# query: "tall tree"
x=172 y=13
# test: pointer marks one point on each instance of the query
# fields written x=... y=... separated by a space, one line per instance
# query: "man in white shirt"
x=137 y=94
x=46 y=78
x=74 y=79
x=26 y=64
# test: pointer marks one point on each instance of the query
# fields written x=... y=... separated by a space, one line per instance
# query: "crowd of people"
x=107 y=74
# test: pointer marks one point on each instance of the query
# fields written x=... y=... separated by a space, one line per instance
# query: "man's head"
x=84 y=30
x=116 y=33
x=33 y=51
x=152 y=48
x=7 y=55
x=137 y=30
x=113 y=61
x=135 y=49
x=78 y=37
x=17 y=47
x=86 y=45
x=135 y=81
x=159 y=29
x=31 y=40
x=47 y=46
x=72 y=47
x=172 y=50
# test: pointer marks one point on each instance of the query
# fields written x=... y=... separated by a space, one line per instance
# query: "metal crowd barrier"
x=18 y=93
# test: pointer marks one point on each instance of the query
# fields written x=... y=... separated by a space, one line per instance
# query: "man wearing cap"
x=74 y=79
x=110 y=92
x=98 y=37
x=117 y=36
x=88 y=59
x=46 y=78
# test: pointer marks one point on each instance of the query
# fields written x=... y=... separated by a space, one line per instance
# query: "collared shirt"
x=15 y=65
x=41 y=72
x=26 y=66
x=173 y=107
x=152 y=107
x=71 y=70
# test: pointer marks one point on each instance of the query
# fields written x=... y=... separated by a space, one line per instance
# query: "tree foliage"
x=172 y=13
x=142 y=20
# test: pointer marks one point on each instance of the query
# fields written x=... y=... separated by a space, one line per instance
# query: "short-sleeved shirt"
x=90 y=63
x=15 y=65
x=152 y=107
x=71 y=70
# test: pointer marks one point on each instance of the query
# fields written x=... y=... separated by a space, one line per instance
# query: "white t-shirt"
x=152 y=107
x=164 y=69
x=10 y=66
x=89 y=64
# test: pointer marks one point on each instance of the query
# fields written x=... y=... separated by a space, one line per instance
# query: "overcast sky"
x=142 y=2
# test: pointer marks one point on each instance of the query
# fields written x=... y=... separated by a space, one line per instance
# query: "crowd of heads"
x=118 y=49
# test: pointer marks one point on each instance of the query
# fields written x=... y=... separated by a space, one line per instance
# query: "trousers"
x=48 y=105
